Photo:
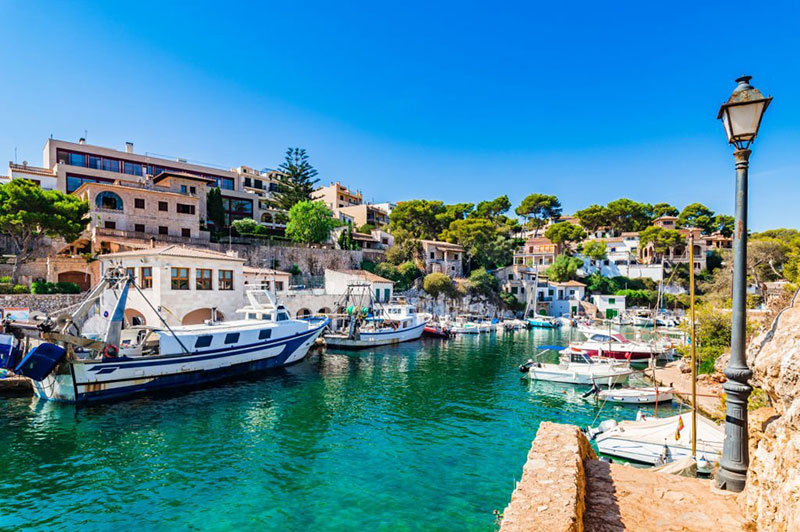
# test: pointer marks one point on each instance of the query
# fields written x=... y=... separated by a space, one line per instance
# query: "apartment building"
x=538 y=252
x=337 y=196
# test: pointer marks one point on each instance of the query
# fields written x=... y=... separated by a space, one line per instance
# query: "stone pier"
x=565 y=488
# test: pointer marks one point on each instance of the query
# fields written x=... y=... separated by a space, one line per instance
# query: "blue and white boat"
x=134 y=360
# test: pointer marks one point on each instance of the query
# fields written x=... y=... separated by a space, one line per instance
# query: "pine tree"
x=296 y=180
x=214 y=209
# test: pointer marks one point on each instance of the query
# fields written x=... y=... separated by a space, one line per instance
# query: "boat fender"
x=110 y=351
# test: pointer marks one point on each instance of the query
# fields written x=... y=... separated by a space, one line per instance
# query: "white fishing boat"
x=463 y=325
x=579 y=370
x=70 y=367
x=392 y=323
x=637 y=396
x=661 y=440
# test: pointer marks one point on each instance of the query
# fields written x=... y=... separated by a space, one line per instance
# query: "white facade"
x=336 y=283
x=185 y=285
x=606 y=303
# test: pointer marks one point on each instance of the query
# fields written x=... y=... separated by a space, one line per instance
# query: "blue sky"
x=457 y=101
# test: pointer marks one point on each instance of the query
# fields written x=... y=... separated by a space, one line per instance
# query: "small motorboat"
x=658 y=441
x=433 y=329
x=544 y=322
x=390 y=324
x=579 y=369
x=637 y=396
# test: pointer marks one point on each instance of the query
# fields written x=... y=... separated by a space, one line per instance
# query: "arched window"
x=108 y=200
x=266 y=218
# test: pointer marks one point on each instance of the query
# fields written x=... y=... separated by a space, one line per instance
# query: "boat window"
x=600 y=338
x=282 y=316
x=231 y=338
x=203 y=341
x=264 y=334
x=251 y=315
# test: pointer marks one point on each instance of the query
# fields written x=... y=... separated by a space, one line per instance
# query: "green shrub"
x=5 y=280
x=22 y=289
x=41 y=287
x=6 y=288
x=67 y=288
x=367 y=265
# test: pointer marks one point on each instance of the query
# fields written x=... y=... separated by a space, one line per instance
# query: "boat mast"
x=694 y=347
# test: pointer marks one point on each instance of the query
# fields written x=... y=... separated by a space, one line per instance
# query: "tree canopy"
x=595 y=249
x=662 y=239
x=564 y=232
x=664 y=209
x=564 y=268
x=437 y=284
x=697 y=215
x=296 y=180
x=627 y=215
x=310 y=222
x=28 y=214
x=593 y=217
x=536 y=209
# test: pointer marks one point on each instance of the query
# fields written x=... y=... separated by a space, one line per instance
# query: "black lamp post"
x=741 y=117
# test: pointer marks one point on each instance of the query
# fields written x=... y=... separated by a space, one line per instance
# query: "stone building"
x=443 y=257
x=538 y=252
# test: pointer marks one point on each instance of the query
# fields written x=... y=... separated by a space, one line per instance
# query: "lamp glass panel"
x=744 y=119
x=727 y=125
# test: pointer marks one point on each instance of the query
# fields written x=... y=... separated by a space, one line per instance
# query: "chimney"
x=129 y=147
x=81 y=140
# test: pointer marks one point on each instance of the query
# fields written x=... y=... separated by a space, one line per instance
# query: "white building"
x=275 y=281
x=564 y=298
x=609 y=305
x=337 y=282
x=186 y=285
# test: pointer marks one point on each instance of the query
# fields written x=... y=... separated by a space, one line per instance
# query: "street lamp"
x=741 y=117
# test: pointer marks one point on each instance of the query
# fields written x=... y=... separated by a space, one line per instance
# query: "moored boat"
x=577 y=369
x=615 y=345
x=637 y=396
x=661 y=440
x=389 y=324
x=128 y=361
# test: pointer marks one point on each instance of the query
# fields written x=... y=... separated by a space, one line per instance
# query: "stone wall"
x=44 y=303
x=772 y=495
x=551 y=494
x=311 y=261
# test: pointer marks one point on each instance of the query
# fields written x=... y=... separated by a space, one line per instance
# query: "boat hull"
x=642 y=397
x=650 y=453
x=375 y=339
x=118 y=378
x=435 y=332
x=564 y=376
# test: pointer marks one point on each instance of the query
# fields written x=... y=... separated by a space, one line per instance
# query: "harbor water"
x=427 y=435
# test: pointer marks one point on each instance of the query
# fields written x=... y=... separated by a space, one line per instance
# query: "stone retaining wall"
x=311 y=261
x=551 y=494
x=44 y=303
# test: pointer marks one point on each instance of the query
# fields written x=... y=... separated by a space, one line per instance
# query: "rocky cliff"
x=771 y=499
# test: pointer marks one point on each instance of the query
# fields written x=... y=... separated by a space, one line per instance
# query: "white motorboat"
x=462 y=325
x=661 y=440
x=637 y=396
x=615 y=345
x=68 y=366
x=391 y=324
x=579 y=370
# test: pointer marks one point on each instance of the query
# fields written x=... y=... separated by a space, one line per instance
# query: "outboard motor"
x=526 y=367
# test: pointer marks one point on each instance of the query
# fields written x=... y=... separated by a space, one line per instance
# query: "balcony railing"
x=139 y=235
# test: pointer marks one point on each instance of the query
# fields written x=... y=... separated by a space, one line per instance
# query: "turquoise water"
x=427 y=435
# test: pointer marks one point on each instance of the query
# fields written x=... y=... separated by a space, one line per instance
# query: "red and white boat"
x=435 y=330
x=615 y=345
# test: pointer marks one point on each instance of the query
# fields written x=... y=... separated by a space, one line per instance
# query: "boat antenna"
x=694 y=346
x=160 y=317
